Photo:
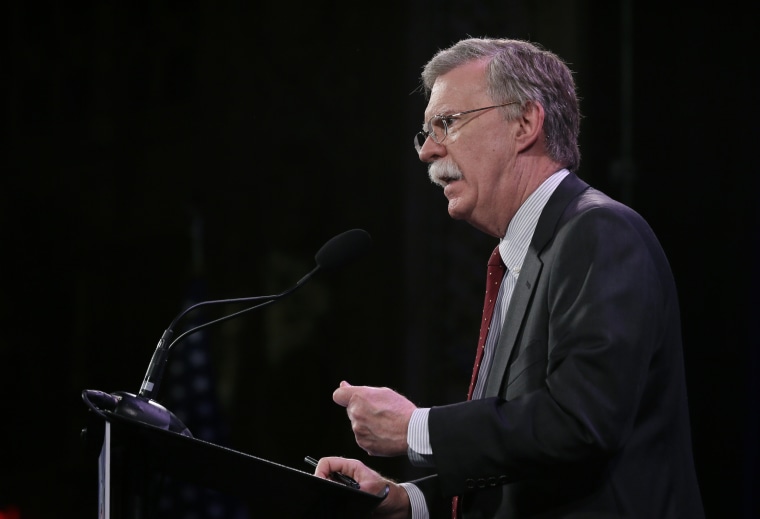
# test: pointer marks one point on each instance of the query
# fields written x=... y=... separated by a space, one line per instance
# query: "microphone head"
x=343 y=249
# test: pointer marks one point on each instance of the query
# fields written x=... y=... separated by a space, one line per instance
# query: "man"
x=578 y=404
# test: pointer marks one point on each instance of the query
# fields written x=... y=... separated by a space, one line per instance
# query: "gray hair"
x=524 y=72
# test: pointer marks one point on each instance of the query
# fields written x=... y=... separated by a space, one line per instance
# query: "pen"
x=337 y=476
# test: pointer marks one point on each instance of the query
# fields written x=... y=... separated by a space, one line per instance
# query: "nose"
x=431 y=151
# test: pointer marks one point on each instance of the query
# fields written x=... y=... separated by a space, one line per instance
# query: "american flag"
x=190 y=392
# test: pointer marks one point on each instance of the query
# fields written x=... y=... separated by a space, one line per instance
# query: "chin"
x=456 y=211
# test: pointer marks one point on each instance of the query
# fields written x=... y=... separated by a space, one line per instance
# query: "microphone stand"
x=143 y=407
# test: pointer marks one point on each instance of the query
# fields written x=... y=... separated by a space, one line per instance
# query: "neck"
x=528 y=174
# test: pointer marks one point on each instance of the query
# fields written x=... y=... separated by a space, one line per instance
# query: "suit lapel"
x=521 y=295
x=527 y=280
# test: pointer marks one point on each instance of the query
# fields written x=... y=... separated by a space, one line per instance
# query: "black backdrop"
x=179 y=150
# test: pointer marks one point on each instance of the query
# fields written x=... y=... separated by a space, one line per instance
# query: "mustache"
x=443 y=171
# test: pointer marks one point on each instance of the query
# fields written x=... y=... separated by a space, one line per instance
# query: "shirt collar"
x=514 y=245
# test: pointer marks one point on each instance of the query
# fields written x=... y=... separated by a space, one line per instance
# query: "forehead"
x=462 y=88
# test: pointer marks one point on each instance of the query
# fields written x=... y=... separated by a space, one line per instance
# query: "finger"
x=330 y=464
x=369 y=480
x=324 y=468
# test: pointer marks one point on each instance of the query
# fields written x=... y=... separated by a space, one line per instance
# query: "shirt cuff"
x=417 y=501
x=418 y=437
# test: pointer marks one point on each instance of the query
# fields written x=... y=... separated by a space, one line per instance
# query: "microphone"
x=340 y=250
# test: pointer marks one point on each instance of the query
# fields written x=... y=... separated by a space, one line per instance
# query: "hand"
x=379 y=418
x=396 y=505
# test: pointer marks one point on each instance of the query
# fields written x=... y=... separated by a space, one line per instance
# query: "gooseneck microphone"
x=335 y=253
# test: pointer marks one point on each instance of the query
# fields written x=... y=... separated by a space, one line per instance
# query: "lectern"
x=140 y=445
x=134 y=458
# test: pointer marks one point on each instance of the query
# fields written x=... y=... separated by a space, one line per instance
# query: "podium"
x=135 y=458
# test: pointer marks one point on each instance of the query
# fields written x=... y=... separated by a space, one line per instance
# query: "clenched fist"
x=379 y=418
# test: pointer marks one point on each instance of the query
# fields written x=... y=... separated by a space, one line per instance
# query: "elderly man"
x=578 y=404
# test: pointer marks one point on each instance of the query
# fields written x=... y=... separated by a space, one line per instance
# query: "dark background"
x=161 y=151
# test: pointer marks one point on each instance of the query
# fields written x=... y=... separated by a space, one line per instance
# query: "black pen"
x=337 y=476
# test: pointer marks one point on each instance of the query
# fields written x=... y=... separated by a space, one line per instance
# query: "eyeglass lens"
x=436 y=128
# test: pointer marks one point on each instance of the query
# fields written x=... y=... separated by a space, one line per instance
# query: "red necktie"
x=494 y=276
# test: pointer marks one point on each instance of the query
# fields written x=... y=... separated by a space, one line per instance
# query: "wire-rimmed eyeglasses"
x=437 y=128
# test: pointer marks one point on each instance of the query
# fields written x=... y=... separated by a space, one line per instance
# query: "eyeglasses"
x=437 y=128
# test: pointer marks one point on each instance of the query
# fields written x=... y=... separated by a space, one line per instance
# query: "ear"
x=531 y=124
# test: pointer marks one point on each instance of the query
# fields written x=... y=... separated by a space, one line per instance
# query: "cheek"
x=482 y=151
x=482 y=161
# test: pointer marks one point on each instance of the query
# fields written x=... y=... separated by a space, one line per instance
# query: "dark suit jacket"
x=585 y=413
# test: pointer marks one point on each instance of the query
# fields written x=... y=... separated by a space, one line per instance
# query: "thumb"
x=340 y=396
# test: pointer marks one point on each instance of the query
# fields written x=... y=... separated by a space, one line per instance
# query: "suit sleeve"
x=437 y=505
